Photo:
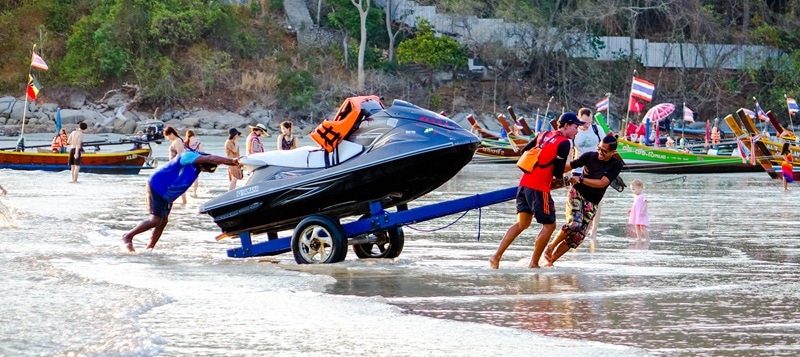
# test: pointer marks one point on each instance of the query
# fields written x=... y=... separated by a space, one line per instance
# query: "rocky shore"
x=112 y=116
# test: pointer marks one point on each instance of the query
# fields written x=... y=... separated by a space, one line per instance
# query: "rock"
x=75 y=100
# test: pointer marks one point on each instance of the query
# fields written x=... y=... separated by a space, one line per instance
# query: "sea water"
x=717 y=277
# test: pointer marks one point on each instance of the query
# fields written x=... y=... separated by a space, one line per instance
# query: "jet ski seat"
x=305 y=157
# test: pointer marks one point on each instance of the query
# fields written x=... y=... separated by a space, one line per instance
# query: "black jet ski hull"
x=345 y=192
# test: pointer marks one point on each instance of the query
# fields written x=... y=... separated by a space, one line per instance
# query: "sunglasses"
x=603 y=150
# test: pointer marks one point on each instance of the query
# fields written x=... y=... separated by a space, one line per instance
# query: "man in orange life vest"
x=533 y=195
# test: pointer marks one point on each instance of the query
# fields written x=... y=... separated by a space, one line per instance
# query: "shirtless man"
x=75 y=142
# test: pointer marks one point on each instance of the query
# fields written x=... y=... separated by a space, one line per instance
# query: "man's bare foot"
x=127 y=243
x=533 y=266
x=494 y=263
x=548 y=255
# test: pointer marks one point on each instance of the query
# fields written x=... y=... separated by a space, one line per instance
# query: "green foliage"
x=159 y=77
x=296 y=89
x=427 y=49
x=344 y=16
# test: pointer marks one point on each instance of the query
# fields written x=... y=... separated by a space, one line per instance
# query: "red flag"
x=33 y=87
x=635 y=106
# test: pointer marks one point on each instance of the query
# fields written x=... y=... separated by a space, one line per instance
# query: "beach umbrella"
x=660 y=111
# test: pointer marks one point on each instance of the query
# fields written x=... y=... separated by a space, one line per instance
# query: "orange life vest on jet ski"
x=330 y=133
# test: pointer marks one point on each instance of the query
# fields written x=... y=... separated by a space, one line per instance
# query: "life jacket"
x=541 y=175
x=330 y=133
x=174 y=179
x=58 y=143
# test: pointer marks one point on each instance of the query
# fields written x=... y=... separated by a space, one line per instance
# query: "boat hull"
x=643 y=158
x=123 y=162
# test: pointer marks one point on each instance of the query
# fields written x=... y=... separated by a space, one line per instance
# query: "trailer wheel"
x=319 y=240
x=389 y=245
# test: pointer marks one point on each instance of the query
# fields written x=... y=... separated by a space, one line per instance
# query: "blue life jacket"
x=174 y=178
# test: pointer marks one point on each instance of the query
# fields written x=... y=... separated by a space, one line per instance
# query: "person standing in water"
x=194 y=144
x=232 y=152
x=286 y=141
x=75 y=141
x=533 y=194
x=638 y=214
x=254 y=144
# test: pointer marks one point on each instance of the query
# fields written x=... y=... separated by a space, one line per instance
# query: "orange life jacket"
x=58 y=142
x=541 y=176
x=330 y=133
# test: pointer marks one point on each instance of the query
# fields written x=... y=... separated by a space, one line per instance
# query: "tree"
x=431 y=51
x=363 y=10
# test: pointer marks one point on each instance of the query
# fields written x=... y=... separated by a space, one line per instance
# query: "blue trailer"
x=323 y=239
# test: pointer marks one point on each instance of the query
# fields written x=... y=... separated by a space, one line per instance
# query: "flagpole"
x=624 y=128
x=546 y=111
x=791 y=124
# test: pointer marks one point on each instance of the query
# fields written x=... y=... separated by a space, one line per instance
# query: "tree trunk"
x=319 y=12
x=363 y=9
x=389 y=11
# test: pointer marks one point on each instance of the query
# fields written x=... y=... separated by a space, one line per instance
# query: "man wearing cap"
x=167 y=184
x=232 y=152
x=533 y=194
x=253 y=144
x=600 y=168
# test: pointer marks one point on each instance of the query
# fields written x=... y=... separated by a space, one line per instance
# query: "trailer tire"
x=318 y=240
x=389 y=245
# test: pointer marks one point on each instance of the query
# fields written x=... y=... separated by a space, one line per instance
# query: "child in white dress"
x=638 y=215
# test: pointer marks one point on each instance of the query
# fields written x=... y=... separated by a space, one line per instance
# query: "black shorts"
x=537 y=203
x=74 y=160
x=159 y=206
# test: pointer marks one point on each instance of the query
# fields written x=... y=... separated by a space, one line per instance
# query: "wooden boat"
x=643 y=158
x=96 y=159
x=767 y=149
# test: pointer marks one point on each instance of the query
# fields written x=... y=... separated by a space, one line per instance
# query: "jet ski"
x=366 y=154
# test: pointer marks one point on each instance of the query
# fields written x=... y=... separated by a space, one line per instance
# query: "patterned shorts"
x=579 y=214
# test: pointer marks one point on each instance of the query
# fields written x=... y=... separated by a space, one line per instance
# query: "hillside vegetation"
x=189 y=53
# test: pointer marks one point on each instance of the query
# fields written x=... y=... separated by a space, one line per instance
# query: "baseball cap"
x=569 y=118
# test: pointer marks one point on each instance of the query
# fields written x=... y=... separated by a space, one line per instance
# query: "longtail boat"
x=95 y=159
x=639 y=157
x=767 y=149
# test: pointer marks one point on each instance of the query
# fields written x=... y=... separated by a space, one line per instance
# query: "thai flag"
x=642 y=89
x=760 y=112
x=688 y=114
x=603 y=104
x=792 y=104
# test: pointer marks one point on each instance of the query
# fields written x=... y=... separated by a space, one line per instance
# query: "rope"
x=443 y=227
x=683 y=178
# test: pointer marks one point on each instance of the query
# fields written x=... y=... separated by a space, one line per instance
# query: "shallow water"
x=716 y=278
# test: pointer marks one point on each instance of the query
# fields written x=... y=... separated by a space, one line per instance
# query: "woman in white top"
x=194 y=144
x=176 y=147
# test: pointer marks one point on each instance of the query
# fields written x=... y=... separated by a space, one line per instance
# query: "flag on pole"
x=688 y=114
x=33 y=87
x=635 y=106
x=792 y=104
x=603 y=104
x=38 y=62
x=760 y=112
x=642 y=89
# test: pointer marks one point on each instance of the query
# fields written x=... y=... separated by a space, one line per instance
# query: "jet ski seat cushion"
x=305 y=157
